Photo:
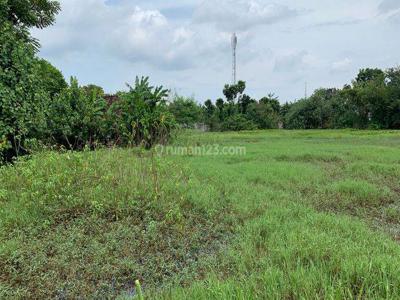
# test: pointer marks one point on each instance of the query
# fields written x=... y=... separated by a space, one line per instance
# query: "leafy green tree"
x=76 y=118
x=376 y=103
x=25 y=14
x=220 y=105
x=211 y=115
x=238 y=122
x=51 y=78
x=30 y=13
x=393 y=86
x=23 y=95
x=186 y=111
x=231 y=92
x=370 y=99
x=244 y=102
x=23 y=102
x=91 y=89
x=304 y=114
x=141 y=116
x=272 y=101
x=284 y=109
x=371 y=102
x=263 y=115
x=341 y=109
x=367 y=75
x=209 y=108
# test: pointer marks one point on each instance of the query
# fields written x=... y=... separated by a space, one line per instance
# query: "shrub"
x=141 y=116
x=186 y=111
x=263 y=115
x=23 y=101
x=76 y=117
x=238 y=122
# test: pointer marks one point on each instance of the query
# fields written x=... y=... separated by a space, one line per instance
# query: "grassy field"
x=300 y=215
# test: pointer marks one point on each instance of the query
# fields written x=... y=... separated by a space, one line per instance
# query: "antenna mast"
x=305 y=90
x=234 y=44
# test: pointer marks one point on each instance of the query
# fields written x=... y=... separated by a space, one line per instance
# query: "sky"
x=185 y=46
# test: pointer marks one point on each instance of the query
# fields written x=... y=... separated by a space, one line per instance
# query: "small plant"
x=139 y=290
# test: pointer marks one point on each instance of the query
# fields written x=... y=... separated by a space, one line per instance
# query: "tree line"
x=371 y=101
x=38 y=108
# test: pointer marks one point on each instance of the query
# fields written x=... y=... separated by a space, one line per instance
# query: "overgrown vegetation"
x=80 y=225
x=312 y=206
x=38 y=108
x=372 y=101
x=302 y=215
x=140 y=117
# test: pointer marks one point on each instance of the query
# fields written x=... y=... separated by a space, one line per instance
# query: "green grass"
x=303 y=215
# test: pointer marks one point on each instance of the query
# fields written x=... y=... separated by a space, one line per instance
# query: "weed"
x=304 y=215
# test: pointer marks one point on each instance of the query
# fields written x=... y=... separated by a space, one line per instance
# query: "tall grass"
x=303 y=215
x=313 y=207
x=87 y=224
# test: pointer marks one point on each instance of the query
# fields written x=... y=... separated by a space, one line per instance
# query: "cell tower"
x=234 y=44
x=305 y=90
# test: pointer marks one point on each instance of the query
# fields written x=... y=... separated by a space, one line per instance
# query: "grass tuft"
x=303 y=215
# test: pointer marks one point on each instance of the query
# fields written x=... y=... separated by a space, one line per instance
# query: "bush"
x=238 y=122
x=77 y=118
x=186 y=111
x=263 y=115
x=23 y=101
x=84 y=225
x=141 y=116
x=38 y=107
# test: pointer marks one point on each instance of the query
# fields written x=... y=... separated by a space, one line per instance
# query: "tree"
x=186 y=111
x=220 y=105
x=367 y=75
x=372 y=95
x=52 y=80
x=24 y=97
x=25 y=14
x=371 y=99
x=305 y=114
x=244 y=102
x=23 y=101
x=393 y=86
x=232 y=91
x=91 y=89
x=209 y=108
x=284 y=109
x=273 y=101
x=30 y=13
x=263 y=115
x=76 y=118
x=238 y=122
x=141 y=116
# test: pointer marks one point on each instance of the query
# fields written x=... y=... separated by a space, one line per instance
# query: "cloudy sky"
x=185 y=44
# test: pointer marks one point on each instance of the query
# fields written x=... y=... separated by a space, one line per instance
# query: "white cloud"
x=239 y=15
x=134 y=34
x=389 y=5
x=185 y=44
x=342 y=65
x=295 y=61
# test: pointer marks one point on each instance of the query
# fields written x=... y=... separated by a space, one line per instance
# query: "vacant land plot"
x=298 y=214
